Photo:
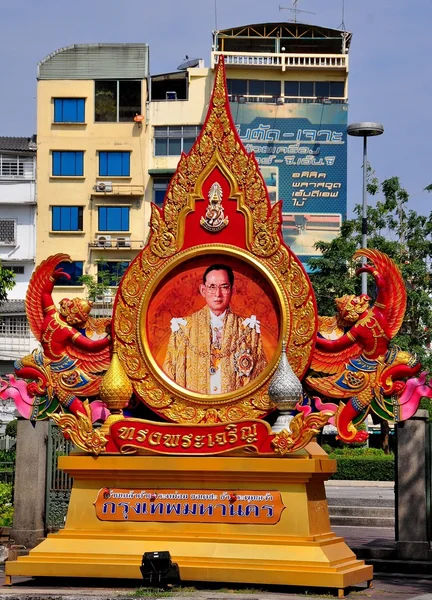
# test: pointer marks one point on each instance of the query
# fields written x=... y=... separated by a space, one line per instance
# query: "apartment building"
x=288 y=89
x=17 y=242
x=92 y=139
x=110 y=136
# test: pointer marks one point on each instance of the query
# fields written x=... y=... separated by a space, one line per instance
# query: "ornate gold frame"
x=176 y=403
x=218 y=146
x=184 y=256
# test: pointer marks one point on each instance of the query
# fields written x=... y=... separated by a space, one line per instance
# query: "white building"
x=17 y=242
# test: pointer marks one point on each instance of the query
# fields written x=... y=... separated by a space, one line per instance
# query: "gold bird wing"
x=33 y=302
x=395 y=287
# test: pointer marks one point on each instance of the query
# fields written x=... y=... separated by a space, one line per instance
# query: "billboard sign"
x=302 y=153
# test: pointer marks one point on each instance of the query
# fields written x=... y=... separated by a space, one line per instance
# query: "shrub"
x=426 y=404
x=6 y=507
x=327 y=448
x=364 y=465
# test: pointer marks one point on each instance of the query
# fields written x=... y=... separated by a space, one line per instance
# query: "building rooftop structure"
x=18 y=144
x=292 y=37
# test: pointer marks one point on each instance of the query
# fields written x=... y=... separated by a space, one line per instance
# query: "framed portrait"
x=217 y=335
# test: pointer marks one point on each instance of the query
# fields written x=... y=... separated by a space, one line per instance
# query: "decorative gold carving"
x=302 y=430
x=218 y=144
x=163 y=241
x=175 y=403
x=218 y=147
x=79 y=429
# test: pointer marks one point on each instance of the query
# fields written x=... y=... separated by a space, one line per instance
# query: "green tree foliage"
x=96 y=285
x=6 y=507
x=11 y=428
x=7 y=281
x=402 y=234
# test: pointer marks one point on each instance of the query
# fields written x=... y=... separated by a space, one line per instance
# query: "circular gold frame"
x=208 y=399
x=298 y=325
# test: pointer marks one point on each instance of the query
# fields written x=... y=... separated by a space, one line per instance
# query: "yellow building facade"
x=110 y=135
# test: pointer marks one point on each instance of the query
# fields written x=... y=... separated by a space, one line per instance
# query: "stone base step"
x=403 y=568
x=345 y=501
x=386 y=512
x=354 y=521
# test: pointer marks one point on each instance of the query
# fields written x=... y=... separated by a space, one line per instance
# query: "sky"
x=390 y=63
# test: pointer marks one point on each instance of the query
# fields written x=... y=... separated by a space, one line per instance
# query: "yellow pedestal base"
x=299 y=550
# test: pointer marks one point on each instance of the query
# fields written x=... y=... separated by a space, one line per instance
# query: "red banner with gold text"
x=131 y=435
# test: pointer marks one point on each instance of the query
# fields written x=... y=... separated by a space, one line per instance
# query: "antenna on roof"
x=295 y=10
x=342 y=25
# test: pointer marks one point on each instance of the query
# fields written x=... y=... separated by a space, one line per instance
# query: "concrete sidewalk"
x=392 y=588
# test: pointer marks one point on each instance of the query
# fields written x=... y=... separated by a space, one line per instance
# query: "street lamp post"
x=365 y=130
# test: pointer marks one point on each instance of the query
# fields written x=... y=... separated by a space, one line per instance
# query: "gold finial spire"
x=115 y=389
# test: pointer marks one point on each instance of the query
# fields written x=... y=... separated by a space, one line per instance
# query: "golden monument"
x=213 y=329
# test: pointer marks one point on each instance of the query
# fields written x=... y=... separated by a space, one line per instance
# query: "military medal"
x=243 y=363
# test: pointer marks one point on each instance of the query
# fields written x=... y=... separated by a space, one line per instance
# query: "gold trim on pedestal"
x=300 y=549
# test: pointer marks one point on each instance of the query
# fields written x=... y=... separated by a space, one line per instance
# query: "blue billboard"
x=302 y=153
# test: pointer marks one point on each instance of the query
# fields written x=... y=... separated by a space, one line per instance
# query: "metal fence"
x=7 y=442
x=58 y=483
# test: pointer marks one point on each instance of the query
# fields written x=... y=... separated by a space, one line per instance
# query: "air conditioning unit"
x=170 y=95
x=123 y=242
x=103 y=186
x=103 y=241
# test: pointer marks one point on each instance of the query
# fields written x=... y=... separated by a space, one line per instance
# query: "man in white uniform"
x=214 y=351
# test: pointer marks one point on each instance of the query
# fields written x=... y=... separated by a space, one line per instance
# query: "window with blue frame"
x=67 y=218
x=160 y=187
x=113 y=218
x=68 y=163
x=74 y=269
x=110 y=272
x=172 y=140
x=69 y=110
x=114 y=164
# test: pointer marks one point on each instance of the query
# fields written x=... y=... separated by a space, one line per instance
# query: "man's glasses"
x=213 y=289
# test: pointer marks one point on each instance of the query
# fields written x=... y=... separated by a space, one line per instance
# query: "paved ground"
x=391 y=588
x=359 y=489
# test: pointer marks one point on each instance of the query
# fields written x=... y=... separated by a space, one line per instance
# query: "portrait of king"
x=214 y=350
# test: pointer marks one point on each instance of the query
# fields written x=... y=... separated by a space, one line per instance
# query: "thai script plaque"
x=247 y=507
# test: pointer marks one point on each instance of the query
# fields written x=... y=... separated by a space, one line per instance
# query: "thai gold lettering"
x=199 y=441
x=171 y=440
x=141 y=435
x=187 y=440
x=154 y=439
x=221 y=439
x=249 y=434
x=126 y=433
x=232 y=433
x=210 y=442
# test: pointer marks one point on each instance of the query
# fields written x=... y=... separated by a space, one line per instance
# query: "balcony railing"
x=106 y=188
x=13 y=346
x=283 y=61
x=265 y=99
x=115 y=243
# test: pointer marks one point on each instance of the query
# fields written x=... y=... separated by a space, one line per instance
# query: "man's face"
x=217 y=291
